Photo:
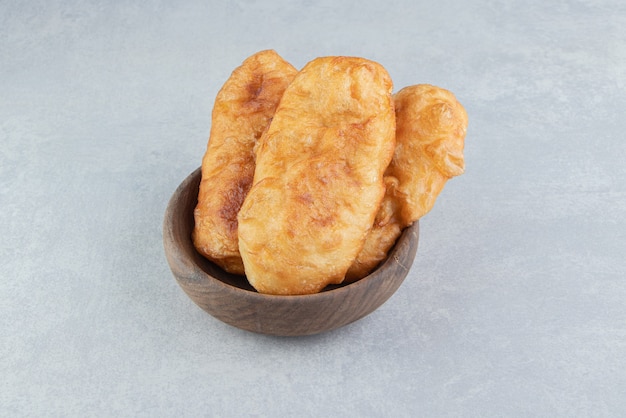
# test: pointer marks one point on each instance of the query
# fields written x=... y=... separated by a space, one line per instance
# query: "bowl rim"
x=334 y=290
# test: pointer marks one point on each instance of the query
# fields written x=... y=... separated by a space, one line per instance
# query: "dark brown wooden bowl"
x=232 y=300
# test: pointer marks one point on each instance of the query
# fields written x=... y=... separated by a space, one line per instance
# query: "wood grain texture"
x=232 y=300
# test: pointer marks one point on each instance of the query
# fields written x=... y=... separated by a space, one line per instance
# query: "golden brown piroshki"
x=242 y=111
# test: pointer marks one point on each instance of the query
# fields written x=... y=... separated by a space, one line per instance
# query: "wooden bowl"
x=232 y=300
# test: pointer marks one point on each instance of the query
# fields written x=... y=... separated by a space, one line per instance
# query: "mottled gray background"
x=515 y=306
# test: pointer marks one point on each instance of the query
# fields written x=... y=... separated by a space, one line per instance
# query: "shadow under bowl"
x=231 y=299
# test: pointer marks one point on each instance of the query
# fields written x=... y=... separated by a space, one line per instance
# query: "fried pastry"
x=243 y=110
x=318 y=182
x=430 y=135
x=431 y=128
x=383 y=235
